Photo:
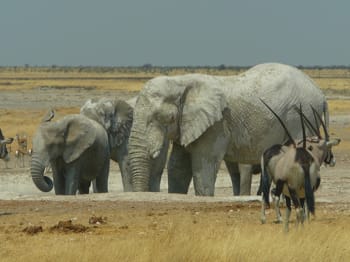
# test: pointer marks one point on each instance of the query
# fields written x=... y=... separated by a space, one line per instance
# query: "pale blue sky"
x=174 y=33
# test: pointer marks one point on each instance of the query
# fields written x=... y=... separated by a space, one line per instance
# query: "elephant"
x=215 y=118
x=116 y=117
x=119 y=114
x=242 y=181
x=77 y=149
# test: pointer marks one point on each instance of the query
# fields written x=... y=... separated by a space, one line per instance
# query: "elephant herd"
x=200 y=120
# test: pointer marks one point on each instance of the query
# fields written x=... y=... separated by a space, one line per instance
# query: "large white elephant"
x=211 y=118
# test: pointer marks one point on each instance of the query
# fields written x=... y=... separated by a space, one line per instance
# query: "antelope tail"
x=265 y=182
x=309 y=192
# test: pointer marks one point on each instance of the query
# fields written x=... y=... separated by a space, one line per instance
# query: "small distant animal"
x=22 y=149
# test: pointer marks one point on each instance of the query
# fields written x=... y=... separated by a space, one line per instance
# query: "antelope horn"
x=322 y=123
x=309 y=125
x=302 y=127
x=281 y=122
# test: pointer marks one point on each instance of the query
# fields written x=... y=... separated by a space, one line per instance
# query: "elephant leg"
x=84 y=187
x=233 y=170
x=179 y=170
x=154 y=182
x=120 y=155
x=122 y=160
x=72 y=181
x=58 y=180
x=206 y=155
x=204 y=175
x=126 y=177
x=102 y=179
x=246 y=179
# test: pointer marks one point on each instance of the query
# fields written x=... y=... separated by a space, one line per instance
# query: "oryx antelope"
x=295 y=170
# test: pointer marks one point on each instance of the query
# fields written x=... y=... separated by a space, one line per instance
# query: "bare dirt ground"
x=26 y=212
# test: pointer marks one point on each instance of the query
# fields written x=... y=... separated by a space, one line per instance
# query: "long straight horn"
x=309 y=125
x=281 y=122
x=322 y=123
x=302 y=127
x=315 y=117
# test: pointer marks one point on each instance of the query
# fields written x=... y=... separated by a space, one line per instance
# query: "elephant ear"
x=202 y=107
x=80 y=135
x=124 y=114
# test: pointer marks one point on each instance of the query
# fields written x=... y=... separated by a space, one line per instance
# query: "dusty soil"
x=25 y=210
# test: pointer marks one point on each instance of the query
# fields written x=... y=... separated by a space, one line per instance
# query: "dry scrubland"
x=335 y=83
x=150 y=230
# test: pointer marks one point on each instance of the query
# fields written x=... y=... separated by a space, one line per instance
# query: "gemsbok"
x=295 y=168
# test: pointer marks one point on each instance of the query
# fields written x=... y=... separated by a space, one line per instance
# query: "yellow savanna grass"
x=123 y=79
x=25 y=79
x=184 y=240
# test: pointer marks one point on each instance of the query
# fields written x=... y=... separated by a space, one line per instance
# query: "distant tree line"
x=148 y=68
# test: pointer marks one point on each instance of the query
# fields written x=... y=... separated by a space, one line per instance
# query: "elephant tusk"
x=156 y=154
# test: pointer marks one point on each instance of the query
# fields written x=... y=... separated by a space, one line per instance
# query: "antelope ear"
x=202 y=106
x=333 y=142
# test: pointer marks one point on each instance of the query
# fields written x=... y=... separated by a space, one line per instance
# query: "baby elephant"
x=78 y=151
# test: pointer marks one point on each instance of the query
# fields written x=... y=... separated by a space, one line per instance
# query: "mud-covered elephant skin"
x=116 y=116
x=77 y=149
x=211 y=118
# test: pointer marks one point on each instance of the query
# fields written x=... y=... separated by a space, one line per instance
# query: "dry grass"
x=28 y=119
x=217 y=233
x=339 y=107
x=224 y=245
x=132 y=80
x=85 y=83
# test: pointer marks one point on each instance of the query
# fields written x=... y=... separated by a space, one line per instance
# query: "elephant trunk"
x=37 y=168
x=139 y=162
